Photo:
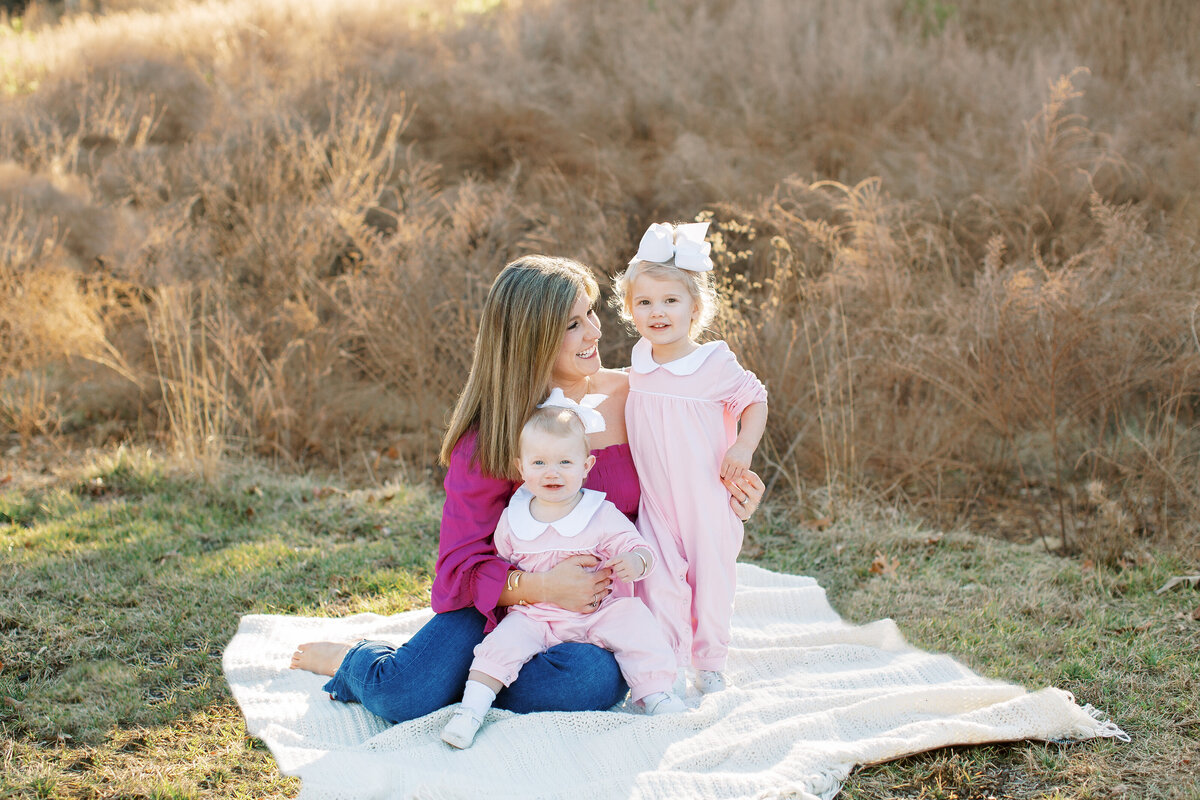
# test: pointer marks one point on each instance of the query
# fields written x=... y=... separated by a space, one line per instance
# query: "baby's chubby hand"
x=736 y=462
x=630 y=566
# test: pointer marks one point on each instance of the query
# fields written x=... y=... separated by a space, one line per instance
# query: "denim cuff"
x=338 y=686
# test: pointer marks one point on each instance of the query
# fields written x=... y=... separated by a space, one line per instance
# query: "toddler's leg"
x=514 y=641
x=713 y=577
x=478 y=696
x=666 y=591
x=627 y=627
x=498 y=660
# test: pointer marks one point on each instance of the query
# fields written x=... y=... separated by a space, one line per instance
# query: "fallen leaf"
x=1194 y=580
x=883 y=566
x=817 y=524
x=249 y=512
x=254 y=490
x=934 y=538
x=7 y=479
x=167 y=555
x=1196 y=613
x=321 y=492
x=392 y=453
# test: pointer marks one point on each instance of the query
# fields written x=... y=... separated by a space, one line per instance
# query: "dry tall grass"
x=957 y=238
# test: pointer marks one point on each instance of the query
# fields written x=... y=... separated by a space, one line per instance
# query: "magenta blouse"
x=469 y=573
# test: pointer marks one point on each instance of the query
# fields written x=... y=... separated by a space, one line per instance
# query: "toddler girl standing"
x=685 y=402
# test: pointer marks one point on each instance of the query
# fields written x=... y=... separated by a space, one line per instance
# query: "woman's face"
x=578 y=357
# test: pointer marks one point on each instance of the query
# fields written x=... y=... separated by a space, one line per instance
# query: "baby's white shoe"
x=663 y=703
x=708 y=681
x=461 y=729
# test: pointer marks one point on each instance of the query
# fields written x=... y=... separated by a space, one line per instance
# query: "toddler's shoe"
x=461 y=729
x=663 y=703
x=708 y=681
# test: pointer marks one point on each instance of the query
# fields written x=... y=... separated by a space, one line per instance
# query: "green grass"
x=1014 y=613
x=119 y=589
x=118 y=593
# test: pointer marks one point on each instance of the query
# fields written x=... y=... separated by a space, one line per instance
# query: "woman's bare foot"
x=323 y=658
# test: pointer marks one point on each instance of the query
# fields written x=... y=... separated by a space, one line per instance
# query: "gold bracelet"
x=513 y=580
x=645 y=563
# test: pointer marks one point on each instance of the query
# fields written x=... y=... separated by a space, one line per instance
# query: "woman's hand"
x=745 y=494
x=572 y=584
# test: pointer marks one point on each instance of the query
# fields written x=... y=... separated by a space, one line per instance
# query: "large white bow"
x=593 y=420
x=685 y=243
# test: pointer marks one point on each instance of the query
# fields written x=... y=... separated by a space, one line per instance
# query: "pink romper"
x=622 y=624
x=682 y=417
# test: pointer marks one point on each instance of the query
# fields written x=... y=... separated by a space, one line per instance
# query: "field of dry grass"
x=957 y=237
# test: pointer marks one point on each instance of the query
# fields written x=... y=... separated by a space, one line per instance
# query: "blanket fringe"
x=1106 y=727
x=824 y=785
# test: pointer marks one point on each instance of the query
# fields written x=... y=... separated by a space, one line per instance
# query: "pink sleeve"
x=469 y=571
x=620 y=535
x=503 y=538
x=740 y=387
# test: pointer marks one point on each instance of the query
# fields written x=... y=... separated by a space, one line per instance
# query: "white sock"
x=478 y=697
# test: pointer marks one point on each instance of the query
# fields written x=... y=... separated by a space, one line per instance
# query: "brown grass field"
x=956 y=238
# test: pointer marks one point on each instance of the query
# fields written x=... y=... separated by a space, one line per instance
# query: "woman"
x=538 y=331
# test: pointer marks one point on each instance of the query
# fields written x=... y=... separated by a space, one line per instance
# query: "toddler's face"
x=662 y=309
x=553 y=466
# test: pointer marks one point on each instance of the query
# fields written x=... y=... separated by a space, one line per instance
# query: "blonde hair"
x=521 y=330
x=559 y=422
x=698 y=284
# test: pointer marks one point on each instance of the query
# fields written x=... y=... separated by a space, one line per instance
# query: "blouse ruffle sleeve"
x=469 y=571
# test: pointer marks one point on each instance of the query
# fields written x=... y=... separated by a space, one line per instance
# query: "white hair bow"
x=685 y=243
x=593 y=420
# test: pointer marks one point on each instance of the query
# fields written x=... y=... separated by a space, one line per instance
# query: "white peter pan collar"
x=642 y=358
x=526 y=528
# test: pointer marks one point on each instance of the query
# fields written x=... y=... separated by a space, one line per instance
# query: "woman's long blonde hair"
x=521 y=331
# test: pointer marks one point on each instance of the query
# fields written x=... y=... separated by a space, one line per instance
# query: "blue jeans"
x=429 y=672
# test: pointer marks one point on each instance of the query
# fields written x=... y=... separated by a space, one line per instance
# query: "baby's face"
x=552 y=466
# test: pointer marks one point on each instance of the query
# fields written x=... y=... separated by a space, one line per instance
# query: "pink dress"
x=682 y=417
x=622 y=624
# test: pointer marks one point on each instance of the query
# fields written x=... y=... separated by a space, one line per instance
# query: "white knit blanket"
x=809 y=698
